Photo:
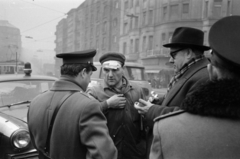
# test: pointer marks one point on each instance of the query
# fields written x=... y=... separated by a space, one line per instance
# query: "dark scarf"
x=215 y=98
x=184 y=68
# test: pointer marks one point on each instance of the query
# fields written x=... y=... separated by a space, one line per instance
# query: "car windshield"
x=135 y=73
x=18 y=91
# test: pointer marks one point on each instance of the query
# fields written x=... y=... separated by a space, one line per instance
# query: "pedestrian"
x=190 y=67
x=117 y=97
x=80 y=128
x=210 y=123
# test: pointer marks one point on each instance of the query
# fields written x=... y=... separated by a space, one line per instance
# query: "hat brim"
x=94 y=68
x=201 y=47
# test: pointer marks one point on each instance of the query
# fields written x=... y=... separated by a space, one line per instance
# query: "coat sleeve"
x=94 y=133
x=157 y=110
x=156 y=148
x=103 y=104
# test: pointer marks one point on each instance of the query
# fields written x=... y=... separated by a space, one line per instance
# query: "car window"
x=136 y=73
x=17 y=91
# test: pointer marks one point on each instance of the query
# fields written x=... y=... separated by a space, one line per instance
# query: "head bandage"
x=112 y=64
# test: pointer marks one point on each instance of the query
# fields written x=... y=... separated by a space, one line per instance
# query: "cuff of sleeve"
x=104 y=106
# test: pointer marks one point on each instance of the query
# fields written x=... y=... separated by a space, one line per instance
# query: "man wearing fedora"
x=209 y=125
x=190 y=66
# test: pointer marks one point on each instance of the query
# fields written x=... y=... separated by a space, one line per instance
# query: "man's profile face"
x=112 y=77
x=178 y=58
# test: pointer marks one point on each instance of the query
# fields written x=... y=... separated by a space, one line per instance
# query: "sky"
x=36 y=19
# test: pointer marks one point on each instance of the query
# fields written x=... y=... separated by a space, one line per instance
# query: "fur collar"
x=215 y=98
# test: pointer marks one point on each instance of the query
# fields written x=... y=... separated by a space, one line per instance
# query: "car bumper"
x=33 y=154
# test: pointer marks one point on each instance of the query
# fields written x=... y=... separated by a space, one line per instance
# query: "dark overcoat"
x=80 y=129
x=208 y=129
x=124 y=125
x=185 y=86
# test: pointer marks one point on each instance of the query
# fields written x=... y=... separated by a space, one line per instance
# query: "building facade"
x=92 y=25
x=148 y=24
x=10 y=47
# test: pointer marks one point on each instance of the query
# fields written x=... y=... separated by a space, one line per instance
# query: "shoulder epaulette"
x=168 y=115
x=85 y=94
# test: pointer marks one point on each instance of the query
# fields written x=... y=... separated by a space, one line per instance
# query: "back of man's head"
x=224 y=37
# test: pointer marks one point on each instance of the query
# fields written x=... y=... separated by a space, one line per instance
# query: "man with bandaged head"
x=117 y=97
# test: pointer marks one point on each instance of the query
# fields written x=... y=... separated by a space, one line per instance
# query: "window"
x=125 y=27
x=185 y=8
x=131 y=3
x=163 y=38
x=124 y=48
x=217 y=8
x=136 y=22
x=174 y=12
x=144 y=44
x=144 y=18
x=115 y=22
x=137 y=3
x=126 y=4
x=136 y=45
x=164 y=13
x=105 y=27
x=131 y=46
x=228 y=8
x=150 y=43
x=150 y=17
x=104 y=43
x=206 y=9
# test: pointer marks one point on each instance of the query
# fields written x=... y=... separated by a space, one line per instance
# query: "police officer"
x=79 y=129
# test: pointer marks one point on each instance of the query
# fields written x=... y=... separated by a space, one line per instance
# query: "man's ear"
x=189 y=53
x=212 y=72
x=82 y=73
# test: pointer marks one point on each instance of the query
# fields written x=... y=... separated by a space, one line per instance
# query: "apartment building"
x=94 y=24
x=148 y=24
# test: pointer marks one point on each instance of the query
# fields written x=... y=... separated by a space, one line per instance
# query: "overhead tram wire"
x=44 y=7
x=43 y=24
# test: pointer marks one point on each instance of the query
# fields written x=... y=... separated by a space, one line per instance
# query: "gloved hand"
x=117 y=101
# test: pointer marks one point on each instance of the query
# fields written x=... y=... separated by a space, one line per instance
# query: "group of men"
x=197 y=118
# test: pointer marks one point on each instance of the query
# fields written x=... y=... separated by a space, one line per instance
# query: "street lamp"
x=15 y=46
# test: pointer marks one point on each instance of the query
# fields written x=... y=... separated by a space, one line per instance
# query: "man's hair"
x=197 y=52
x=230 y=69
x=74 y=69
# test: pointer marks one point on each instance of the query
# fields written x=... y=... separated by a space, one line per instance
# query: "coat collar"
x=215 y=98
x=188 y=74
x=66 y=84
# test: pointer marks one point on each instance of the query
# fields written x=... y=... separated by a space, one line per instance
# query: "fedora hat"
x=187 y=37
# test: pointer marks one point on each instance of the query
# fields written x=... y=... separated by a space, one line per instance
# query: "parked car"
x=16 y=92
x=134 y=72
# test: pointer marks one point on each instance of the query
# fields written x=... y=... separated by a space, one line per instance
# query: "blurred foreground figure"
x=209 y=126
x=79 y=129
x=117 y=97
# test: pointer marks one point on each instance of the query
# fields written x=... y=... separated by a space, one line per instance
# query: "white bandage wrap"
x=112 y=64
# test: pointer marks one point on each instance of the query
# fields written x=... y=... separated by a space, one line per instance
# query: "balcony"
x=163 y=52
x=132 y=56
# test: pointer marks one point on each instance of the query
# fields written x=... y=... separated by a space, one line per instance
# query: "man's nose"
x=171 y=60
x=110 y=73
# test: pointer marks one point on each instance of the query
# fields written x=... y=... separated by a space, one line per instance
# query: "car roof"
x=133 y=64
x=19 y=77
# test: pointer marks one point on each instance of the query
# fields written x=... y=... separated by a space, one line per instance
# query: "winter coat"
x=79 y=130
x=185 y=86
x=208 y=129
x=124 y=125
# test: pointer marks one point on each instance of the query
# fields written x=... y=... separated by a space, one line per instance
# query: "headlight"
x=20 y=138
